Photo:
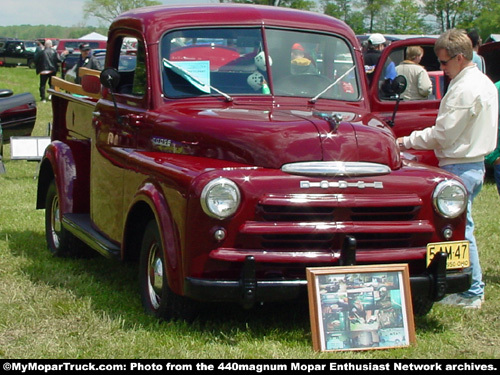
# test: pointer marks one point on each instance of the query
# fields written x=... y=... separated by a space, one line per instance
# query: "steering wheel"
x=308 y=85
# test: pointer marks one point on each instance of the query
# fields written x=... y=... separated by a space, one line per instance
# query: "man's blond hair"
x=455 y=42
x=412 y=52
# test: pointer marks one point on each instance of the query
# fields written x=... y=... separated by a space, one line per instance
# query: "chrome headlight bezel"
x=450 y=198
x=212 y=203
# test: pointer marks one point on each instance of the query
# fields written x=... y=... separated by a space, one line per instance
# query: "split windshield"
x=235 y=61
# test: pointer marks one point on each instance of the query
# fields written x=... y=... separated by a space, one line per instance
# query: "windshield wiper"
x=200 y=85
x=313 y=100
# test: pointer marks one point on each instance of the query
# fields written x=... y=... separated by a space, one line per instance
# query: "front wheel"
x=156 y=296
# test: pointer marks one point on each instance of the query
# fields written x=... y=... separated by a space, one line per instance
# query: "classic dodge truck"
x=237 y=150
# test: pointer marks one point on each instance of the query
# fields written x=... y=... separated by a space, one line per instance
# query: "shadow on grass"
x=112 y=287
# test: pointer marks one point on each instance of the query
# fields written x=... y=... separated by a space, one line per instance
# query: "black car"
x=17 y=114
x=15 y=53
x=17 y=117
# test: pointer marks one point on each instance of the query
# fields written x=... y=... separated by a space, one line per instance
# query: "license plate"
x=458 y=253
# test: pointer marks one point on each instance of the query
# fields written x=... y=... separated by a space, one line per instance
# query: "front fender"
x=151 y=194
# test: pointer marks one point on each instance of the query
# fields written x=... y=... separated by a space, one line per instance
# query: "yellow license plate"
x=458 y=253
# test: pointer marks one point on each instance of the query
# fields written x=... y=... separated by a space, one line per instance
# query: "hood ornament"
x=333 y=119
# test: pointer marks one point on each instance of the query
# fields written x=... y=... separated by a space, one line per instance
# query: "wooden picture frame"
x=360 y=307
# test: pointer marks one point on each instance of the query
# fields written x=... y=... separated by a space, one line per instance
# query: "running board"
x=81 y=227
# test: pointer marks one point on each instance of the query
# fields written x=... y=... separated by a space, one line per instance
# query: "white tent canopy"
x=94 y=36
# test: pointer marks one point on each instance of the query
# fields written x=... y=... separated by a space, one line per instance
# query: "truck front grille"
x=321 y=222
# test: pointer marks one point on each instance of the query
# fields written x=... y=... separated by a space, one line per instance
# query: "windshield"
x=235 y=61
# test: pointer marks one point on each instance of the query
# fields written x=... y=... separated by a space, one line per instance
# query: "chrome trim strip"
x=336 y=168
x=341 y=184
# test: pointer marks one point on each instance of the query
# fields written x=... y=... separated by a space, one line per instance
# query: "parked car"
x=226 y=172
x=15 y=53
x=72 y=45
x=17 y=117
x=127 y=63
x=491 y=54
x=17 y=114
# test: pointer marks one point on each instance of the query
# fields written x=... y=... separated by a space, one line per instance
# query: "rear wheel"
x=60 y=242
x=156 y=296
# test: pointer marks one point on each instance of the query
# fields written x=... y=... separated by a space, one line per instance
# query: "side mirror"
x=399 y=84
x=110 y=78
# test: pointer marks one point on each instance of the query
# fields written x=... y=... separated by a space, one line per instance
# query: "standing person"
x=376 y=44
x=476 y=42
x=86 y=60
x=47 y=63
x=465 y=131
x=493 y=159
x=419 y=85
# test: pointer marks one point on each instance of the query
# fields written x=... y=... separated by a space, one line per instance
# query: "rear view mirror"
x=110 y=78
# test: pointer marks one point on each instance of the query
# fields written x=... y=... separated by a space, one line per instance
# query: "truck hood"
x=271 y=139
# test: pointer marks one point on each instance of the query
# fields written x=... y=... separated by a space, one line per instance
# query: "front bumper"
x=433 y=285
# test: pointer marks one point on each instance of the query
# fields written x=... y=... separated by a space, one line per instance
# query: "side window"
x=389 y=72
x=419 y=65
x=131 y=65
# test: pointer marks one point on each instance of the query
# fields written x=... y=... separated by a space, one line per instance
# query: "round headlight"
x=450 y=198
x=220 y=198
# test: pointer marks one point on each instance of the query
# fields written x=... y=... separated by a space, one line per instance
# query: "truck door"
x=117 y=133
x=411 y=114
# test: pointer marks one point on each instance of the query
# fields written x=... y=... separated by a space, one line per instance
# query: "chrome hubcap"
x=155 y=276
x=55 y=221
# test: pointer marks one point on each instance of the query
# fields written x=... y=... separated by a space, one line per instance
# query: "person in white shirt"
x=465 y=131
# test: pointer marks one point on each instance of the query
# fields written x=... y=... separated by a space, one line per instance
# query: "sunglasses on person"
x=444 y=62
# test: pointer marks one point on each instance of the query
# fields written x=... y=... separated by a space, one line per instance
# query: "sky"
x=55 y=12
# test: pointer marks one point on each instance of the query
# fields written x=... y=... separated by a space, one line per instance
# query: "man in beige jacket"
x=419 y=85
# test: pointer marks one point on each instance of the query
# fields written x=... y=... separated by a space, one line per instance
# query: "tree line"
x=363 y=16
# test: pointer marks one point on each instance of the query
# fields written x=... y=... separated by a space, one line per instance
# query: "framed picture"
x=360 y=307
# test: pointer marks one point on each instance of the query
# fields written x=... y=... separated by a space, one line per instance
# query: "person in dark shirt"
x=376 y=44
x=47 y=64
x=86 y=60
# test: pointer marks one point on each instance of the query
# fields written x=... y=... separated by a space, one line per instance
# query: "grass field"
x=65 y=308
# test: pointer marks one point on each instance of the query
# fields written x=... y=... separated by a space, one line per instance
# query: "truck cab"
x=238 y=149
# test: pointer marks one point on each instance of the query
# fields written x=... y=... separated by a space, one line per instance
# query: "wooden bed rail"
x=60 y=84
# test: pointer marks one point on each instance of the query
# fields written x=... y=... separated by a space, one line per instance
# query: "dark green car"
x=16 y=52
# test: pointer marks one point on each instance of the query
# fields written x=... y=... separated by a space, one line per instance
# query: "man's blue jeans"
x=472 y=175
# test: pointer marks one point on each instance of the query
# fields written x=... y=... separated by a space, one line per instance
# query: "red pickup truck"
x=242 y=146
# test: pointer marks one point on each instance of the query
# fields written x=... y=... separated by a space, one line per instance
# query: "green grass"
x=66 y=308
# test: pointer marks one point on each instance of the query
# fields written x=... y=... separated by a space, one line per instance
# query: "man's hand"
x=399 y=141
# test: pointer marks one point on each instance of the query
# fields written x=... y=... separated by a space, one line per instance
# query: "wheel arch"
x=151 y=204
x=58 y=163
